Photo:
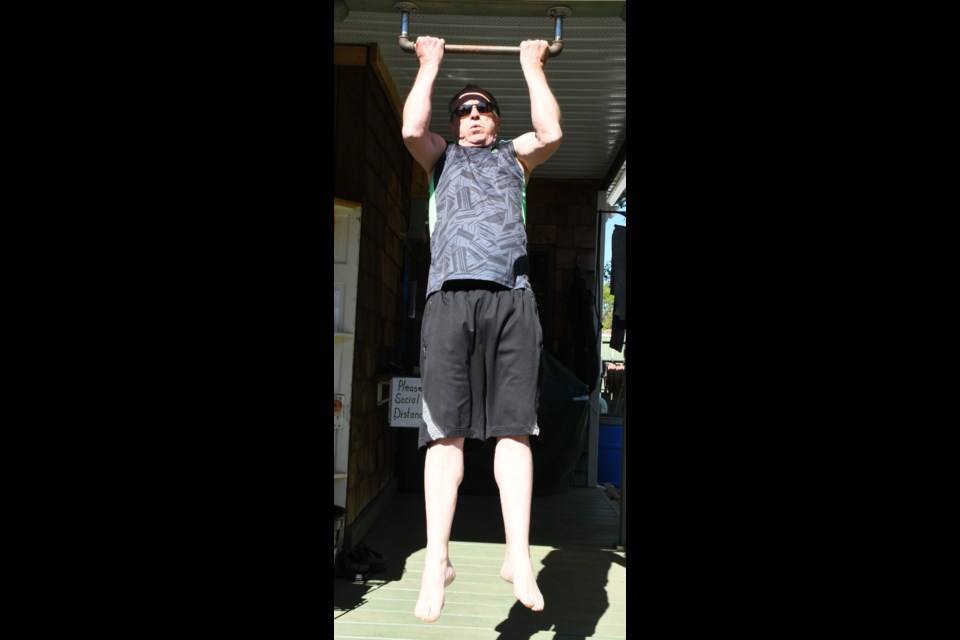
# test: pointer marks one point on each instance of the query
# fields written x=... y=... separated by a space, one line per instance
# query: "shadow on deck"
x=573 y=547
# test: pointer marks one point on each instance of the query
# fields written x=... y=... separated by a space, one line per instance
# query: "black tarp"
x=584 y=331
x=562 y=416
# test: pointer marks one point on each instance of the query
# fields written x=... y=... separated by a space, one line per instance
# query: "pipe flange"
x=559 y=10
x=404 y=6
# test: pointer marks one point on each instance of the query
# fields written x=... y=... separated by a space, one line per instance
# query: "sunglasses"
x=467 y=109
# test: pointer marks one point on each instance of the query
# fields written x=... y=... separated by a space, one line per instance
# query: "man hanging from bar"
x=480 y=336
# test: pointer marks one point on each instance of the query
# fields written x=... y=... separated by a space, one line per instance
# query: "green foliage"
x=606 y=320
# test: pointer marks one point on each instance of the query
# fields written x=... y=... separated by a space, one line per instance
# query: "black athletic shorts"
x=479 y=362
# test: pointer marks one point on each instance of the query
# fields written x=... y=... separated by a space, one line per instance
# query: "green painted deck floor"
x=573 y=544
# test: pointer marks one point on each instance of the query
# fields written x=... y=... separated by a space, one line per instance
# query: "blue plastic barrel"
x=610 y=456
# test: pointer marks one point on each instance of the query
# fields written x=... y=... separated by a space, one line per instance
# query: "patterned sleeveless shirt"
x=477 y=217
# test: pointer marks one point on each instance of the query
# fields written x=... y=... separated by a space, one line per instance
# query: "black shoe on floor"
x=349 y=567
x=365 y=555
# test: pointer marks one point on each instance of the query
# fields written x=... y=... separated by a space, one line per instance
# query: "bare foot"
x=525 y=588
x=435 y=579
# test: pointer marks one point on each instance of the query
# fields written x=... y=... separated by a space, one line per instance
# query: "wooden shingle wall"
x=371 y=166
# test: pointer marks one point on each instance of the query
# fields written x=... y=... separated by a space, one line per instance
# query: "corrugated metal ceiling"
x=588 y=77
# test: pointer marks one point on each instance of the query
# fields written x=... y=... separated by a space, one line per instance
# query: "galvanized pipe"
x=410 y=46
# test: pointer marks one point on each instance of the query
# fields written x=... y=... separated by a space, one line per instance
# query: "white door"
x=346 y=260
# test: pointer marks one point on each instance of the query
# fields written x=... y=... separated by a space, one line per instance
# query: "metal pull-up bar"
x=410 y=46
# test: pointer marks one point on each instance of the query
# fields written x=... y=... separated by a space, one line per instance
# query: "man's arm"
x=536 y=147
x=425 y=146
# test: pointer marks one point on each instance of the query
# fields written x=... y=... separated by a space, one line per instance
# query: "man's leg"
x=442 y=474
x=513 y=469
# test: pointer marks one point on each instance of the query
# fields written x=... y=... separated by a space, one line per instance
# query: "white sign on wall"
x=406 y=402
